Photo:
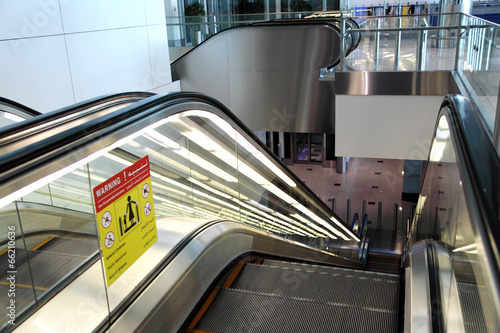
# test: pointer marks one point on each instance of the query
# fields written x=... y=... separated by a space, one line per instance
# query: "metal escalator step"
x=478 y=317
x=340 y=287
x=245 y=311
x=71 y=246
x=49 y=268
x=320 y=268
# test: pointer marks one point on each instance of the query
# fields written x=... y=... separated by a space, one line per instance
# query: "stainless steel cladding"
x=268 y=75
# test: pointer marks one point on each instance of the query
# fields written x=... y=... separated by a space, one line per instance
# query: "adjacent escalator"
x=12 y=112
x=264 y=66
x=219 y=197
x=205 y=165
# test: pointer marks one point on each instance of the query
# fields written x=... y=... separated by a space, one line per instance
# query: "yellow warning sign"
x=125 y=217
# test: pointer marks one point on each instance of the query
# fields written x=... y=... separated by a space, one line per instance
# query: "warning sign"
x=125 y=216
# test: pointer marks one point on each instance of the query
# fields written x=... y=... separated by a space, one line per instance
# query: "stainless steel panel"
x=394 y=83
x=169 y=299
x=273 y=75
x=451 y=308
x=418 y=317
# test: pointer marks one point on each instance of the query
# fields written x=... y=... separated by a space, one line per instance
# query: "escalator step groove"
x=246 y=311
x=478 y=316
x=320 y=268
x=69 y=246
x=329 y=287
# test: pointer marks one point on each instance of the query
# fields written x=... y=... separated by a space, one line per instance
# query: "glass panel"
x=201 y=170
x=442 y=214
x=59 y=244
x=214 y=141
x=480 y=67
x=65 y=238
x=42 y=196
x=16 y=284
x=302 y=142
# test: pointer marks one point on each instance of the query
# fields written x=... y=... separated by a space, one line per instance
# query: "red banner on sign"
x=113 y=188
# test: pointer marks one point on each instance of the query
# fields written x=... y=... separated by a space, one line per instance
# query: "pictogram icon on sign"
x=147 y=208
x=145 y=190
x=106 y=220
x=110 y=239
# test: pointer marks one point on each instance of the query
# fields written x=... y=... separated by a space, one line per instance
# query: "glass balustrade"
x=202 y=168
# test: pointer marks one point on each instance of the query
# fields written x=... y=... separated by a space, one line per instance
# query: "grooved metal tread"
x=478 y=317
x=71 y=246
x=49 y=263
x=320 y=268
x=338 y=286
x=247 y=311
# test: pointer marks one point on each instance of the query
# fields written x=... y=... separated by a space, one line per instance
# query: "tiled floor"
x=370 y=180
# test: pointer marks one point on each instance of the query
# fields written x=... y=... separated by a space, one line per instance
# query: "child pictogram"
x=131 y=216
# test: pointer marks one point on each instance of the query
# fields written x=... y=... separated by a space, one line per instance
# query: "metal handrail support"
x=421 y=47
x=365 y=218
x=342 y=44
x=376 y=50
x=398 y=45
x=459 y=34
x=354 y=222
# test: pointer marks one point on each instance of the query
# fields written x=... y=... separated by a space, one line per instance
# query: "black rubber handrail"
x=290 y=22
x=39 y=153
x=51 y=117
x=18 y=107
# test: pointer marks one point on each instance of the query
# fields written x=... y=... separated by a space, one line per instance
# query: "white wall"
x=54 y=53
x=396 y=127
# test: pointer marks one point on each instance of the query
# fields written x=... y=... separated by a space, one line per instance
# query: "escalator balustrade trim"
x=42 y=243
x=211 y=298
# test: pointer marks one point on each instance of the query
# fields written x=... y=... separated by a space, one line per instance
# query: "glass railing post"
x=421 y=49
x=458 y=48
x=377 y=44
x=398 y=45
x=342 y=45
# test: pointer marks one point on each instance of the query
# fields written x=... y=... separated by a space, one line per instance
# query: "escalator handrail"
x=311 y=22
x=479 y=167
x=42 y=120
x=350 y=24
x=30 y=162
x=17 y=108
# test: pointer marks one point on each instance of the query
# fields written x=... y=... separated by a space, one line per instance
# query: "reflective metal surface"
x=418 y=312
x=451 y=307
x=267 y=75
x=204 y=163
x=46 y=123
x=458 y=205
x=393 y=83
x=170 y=298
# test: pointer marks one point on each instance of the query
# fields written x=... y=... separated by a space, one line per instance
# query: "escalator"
x=242 y=243
x=276 y=296
x=204 y=174
x=264 y=65
x=12 y=112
